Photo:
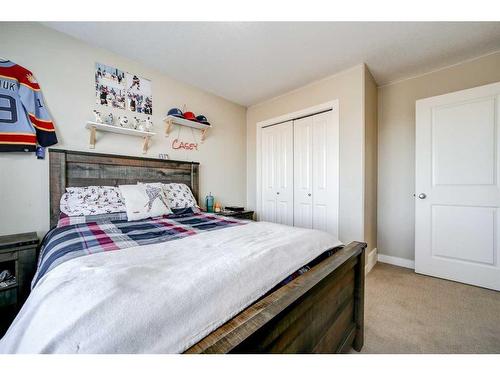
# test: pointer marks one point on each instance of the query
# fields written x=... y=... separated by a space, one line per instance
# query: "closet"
x=299 y=161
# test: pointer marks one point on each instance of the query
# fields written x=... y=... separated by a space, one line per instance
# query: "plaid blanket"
x=76 y=238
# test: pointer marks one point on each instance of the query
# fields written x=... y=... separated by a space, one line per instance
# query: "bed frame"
x=321 y=311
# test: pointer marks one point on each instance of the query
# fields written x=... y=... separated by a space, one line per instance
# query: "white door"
x=277 y=173
x=458 y=187
x=303 y=174
x=325 y=172
x=316 y=171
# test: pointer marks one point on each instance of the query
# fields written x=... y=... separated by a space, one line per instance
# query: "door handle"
x=422 y=196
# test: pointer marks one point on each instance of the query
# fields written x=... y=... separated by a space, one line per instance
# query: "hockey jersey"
x=24 y=120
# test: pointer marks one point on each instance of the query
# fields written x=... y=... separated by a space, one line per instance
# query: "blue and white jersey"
x=24 y=120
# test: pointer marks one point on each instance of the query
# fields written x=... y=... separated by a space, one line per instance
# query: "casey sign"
x=177 y=144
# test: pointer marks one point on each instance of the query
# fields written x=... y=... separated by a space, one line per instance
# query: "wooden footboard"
x=319 y=312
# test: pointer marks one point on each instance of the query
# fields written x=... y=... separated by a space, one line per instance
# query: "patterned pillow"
x=179 y=196
x=91 y=200
x=144 y=200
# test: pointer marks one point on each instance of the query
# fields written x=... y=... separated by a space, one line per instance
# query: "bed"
x=290 y=311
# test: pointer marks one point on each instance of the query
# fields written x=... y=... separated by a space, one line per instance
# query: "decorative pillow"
x=91 y=200
x=144 y=200
x=179 y=196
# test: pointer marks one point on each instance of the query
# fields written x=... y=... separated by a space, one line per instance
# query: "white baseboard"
x=396 y=261
x=371 y=260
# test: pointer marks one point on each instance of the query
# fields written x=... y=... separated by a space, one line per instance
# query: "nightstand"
x=245 y=215
x=18 y=256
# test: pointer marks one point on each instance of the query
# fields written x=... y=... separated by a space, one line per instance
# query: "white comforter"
x=160 y=298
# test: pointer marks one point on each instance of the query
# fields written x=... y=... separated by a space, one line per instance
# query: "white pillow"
x=144 y=200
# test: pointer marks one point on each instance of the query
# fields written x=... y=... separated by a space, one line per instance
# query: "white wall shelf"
x=96 y=126
x=172 y=120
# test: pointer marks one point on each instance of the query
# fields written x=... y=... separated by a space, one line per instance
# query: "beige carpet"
x=410 y=313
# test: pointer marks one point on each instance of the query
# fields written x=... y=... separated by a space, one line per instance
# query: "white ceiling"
x=249 y=62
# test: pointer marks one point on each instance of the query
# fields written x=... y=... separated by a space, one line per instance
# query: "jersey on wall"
x=24 y=120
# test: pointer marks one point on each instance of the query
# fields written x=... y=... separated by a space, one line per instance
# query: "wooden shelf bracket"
x=92 y=137
x=145 y=145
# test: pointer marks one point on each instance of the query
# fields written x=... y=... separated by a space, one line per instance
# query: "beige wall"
x=396 y=142
x=348 y=88
x=65 y=69
x=370 y=113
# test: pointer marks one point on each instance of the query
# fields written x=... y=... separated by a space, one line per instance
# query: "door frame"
x=332 y=105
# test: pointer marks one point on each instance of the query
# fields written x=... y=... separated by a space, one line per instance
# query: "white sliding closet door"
x=277 y=173
x=315 y=171
x=324 y=173
x=303 y=172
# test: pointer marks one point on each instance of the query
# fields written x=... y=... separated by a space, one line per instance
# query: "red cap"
x=189 y=116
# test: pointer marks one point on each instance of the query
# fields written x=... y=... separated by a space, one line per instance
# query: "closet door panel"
x=269 y=152
x=284 y=173
x=324 y=170
x=277 y=173
x=302 y=162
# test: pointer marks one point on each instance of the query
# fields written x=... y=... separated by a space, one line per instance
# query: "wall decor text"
x=177 y=144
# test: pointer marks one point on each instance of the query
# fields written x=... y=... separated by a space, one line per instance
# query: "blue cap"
x=202 y=119
x=175 y=112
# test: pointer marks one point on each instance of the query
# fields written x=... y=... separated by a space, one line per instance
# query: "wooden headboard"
x=75 y=168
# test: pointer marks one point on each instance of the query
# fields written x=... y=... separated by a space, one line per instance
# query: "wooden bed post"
x=57 y=182
x=359 y=303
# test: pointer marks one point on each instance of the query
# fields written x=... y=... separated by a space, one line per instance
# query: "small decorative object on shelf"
x=190 y=116
x=109 y=120
x=98 y=116
x=141 y=126
x=94 y=127
x=176 y=112
x=148 y=125
x=135 y=124
x=123 y=121
x=202 y=119
x=217 y=207
x=17 y=268
x=144 y=125
x=163 y=156
x=209 y=202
